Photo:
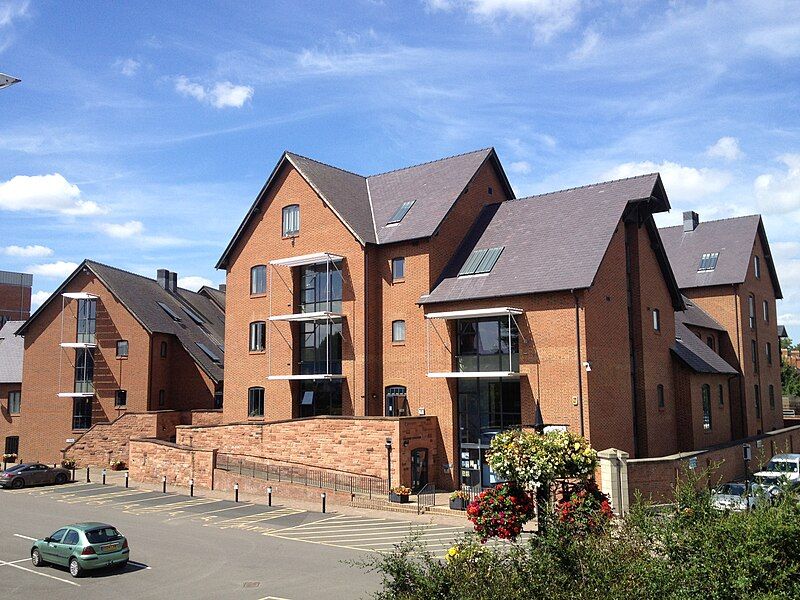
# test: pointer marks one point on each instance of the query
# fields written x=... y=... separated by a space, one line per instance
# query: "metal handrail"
x=363 y=485
x=428 y=491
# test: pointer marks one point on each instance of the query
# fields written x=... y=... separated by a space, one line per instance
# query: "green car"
x=81 y=547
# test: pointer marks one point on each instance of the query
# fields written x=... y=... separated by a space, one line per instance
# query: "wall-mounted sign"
x=70 y=440
x=693 y=462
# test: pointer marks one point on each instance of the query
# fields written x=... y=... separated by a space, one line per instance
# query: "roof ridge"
x=431 y=161
x=89 y=261
x=319 y=162
x=581 y=187
x=716 y=220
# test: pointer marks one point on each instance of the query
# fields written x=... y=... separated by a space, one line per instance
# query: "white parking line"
x=11 y=564
x=25 y=537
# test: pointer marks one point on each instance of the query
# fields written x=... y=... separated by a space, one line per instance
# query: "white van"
x=783 y=468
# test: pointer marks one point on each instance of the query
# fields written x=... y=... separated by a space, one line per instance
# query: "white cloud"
x=521 y=167
x=549 y=17
x=780 y=193
x=223 y=94
x=11 y=11
x=47 y=193
x=127 y=66
x=591 y=39
x=35 y=251
x=123 y=230
x=725 y=147
x=38 y=298
x=683 y=184
x=59 y=269
x=194 y=282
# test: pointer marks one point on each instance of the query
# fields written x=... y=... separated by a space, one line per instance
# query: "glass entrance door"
x=419 y=469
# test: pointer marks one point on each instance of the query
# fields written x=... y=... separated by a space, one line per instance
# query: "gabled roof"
x=694 y=315
x=141 y=295
x=732 y=238
x=365 y=204
x=697 y=355
x=215 y=294
x=551 y=242
x=12 y=348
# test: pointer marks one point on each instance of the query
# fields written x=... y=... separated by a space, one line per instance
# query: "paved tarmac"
x=184 y=547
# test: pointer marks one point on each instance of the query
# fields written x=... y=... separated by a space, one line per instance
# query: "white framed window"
x=291 y=220
x=398 y=268
x=258 y=280
x=122 y=348
x=751 y=309
x=656 y=319
x=255 y=402
x=398 y=331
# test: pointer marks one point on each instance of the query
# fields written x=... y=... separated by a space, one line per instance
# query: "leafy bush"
x=501 y=511
x=690 y=552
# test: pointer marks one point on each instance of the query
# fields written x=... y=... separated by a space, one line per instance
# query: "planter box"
x=398 y=498
x=458 y=504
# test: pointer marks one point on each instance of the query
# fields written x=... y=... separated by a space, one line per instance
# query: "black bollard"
x=73 y=474
x=235 y=492
x=88 y=480
x=126 y=479
x=324 y=496
x=269 y=496
x=164 y=484
x=104 y=476
x=191 y=487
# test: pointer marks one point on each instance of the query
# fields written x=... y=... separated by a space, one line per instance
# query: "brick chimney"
x=690 y=221
x=222 y=287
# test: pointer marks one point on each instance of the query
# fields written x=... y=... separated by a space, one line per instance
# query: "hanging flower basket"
x=501 y=511
x=9 y=457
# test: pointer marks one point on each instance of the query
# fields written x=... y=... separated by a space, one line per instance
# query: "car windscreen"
x=782 y=466
x=16 y=468
x=103 y=535
x=732 y=489
x=766 y=480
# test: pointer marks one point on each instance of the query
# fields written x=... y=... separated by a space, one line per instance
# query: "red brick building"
x=432 y=291
x=109 y=342
x=15 y=296
x=11 y=350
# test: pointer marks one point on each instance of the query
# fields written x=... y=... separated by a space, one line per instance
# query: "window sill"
x=259 y=295
x=290 y=236
x=255 y=418
x=398 y=343
x=121 y=358
x=401 y=280
x=257 y=352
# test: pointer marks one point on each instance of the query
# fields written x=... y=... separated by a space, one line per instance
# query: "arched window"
x=398 y=331
x=258 y=280
x=291 y=220
x=258 y=334
x=706 y=396
x=751 y=308
x=255 y=402
x=660 y=394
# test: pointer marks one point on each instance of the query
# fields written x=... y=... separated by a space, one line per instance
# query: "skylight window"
x=708 y=262
x=481 y=261
x=401 y=212
x=193 y=315
x=170 y=312
x=208 y=352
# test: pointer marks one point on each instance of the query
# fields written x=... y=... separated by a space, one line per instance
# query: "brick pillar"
x=614 y=478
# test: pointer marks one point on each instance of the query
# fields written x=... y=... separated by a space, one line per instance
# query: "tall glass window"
x=258 y=336
x=258 y=280
x=320 y=397
x=255 y=402
x=81 y=413
x=14 y=402
x=396 y=401
x=706 y=394
x=751 y=311
x=757 y=392
x=320 y=341
x=320 y=288
x=483 y=345
x=84 y=370
x=87 y=320
x=660 y=394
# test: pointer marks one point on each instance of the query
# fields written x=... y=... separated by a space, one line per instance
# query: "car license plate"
x=108 y=547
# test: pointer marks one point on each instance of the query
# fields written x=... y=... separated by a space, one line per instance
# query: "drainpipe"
x=742 y=405
x=579 y=361
x=366 y=330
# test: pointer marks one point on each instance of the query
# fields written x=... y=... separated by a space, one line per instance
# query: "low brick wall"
x=281 y=490
x=655 y=478
x=150 y=460
x=105 y=442
x=206 y=417
x=351 y=444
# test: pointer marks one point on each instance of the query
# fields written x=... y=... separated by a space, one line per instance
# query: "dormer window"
x=708 y=262
x=291 y=220
x=401 y=212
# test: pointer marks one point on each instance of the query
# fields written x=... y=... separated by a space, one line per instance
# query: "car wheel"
x=74 y=568
x=36 y=558
x=61 y=479
x=18 y=484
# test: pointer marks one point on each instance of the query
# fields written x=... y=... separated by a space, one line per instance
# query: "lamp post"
x=389 y=461
x=7 y=80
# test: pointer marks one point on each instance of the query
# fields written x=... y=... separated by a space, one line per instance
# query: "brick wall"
x=15 y=301
x=206 y=417
x=150 y=460
x=9 y=424
x=353 y=445
x=656 y=477
x=105 y=442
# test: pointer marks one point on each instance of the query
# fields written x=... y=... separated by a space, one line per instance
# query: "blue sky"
x=142 y=131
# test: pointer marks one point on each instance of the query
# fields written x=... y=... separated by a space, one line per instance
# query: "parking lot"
x=201 y=547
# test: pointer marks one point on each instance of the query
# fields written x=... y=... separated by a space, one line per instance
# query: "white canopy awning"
x=320 y=315
x=306 y=259
x=476 y=374
x=79 y=295
x=475 y=313
x=77 y=345
x=75 y=394
x=306 y=377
